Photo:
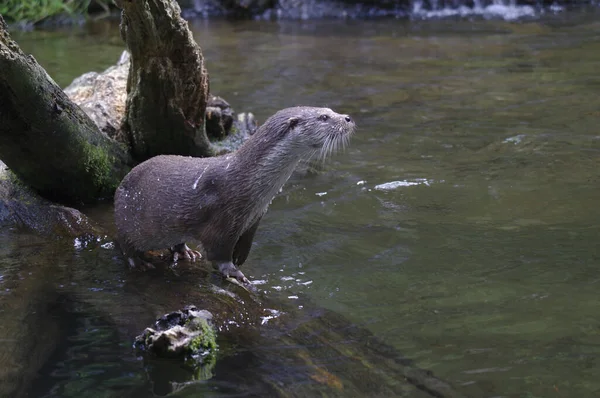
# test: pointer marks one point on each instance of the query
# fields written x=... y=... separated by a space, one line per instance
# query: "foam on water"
x=507 y=10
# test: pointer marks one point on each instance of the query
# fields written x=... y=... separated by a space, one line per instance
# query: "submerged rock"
x=186 y=334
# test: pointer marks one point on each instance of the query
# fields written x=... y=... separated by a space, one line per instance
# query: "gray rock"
x=102 y=96
x=212 y=8
x=183 y=333
x=219 y=118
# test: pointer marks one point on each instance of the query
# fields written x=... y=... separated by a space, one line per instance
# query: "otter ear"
x=292 y=122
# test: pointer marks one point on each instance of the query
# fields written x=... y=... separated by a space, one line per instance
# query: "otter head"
x=314 y=130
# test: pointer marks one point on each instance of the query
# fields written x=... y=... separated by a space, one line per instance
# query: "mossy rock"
x=187 y=335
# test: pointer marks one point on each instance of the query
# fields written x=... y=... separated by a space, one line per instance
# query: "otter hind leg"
x=228 y=269
x=183 y=251
x=244 y=244
x=220 y=253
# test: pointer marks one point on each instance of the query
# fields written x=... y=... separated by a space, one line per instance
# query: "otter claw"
x=237 y=274
x=183 y=251
x=240 y=277
x=229 y=270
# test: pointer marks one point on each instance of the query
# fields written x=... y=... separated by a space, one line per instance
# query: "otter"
x=169 y=200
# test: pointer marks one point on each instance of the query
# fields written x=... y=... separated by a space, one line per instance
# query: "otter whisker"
x=325 y=149
x=345 y=142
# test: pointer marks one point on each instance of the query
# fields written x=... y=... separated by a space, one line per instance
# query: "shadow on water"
x=80 y=323
x=460 y=226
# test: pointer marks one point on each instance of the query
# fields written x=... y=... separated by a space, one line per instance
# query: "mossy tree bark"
x=47 y=140
x=167 y=88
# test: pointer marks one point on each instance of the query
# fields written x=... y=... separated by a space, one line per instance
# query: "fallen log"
x=47 y=140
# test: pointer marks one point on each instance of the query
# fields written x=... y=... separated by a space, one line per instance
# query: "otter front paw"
x=183 y=251
x=228 y=269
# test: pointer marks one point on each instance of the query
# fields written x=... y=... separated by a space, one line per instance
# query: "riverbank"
x=31 y=14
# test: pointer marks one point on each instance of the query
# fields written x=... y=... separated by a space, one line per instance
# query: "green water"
x=481 y=264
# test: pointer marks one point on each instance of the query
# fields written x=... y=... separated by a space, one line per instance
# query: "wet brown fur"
x=169 y=200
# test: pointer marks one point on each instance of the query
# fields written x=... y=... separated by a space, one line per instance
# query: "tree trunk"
x=46 y=139
x=167 y=88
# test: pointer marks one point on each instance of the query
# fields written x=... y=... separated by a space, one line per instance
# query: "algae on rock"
x=186 y=334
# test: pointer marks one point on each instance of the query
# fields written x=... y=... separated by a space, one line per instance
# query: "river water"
x=461 y=226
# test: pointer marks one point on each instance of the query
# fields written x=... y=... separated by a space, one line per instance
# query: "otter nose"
x=348 y=118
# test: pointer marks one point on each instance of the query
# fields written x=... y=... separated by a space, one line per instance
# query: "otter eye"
x=323 y=118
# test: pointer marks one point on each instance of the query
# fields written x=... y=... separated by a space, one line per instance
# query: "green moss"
x=19 y=190
x=202 y=349
x=204 y=372
x=98 y=164
x=206 y=340
x=36 y=10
